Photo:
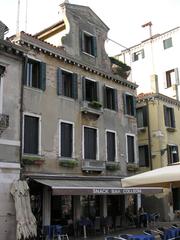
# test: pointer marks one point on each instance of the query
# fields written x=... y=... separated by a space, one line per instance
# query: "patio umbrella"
x=161 y=177
x=26 y=222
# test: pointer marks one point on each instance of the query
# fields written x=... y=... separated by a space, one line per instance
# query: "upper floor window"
x=169 y=117
x=111 y=145
x=138 y=55
x=36 y=74
x=88 y=43
x=171 y=78
x=67 y=83
x=90 y=90
x=66 y=139
x=141 y=117
x=172 y=154
x=143 y=156
x=129 y=104
x=90 y=143
x=130 y=143
x=167 y=43
x=110 y=98
x=31 y=134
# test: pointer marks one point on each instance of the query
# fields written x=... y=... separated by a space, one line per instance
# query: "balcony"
x=93 y=108
x=4 y=122
x=93 y=165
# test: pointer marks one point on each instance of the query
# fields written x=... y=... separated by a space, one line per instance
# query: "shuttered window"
x=35 y=74
x=143 y=156
x=141 y=116
x=129 y=104
x=169 y=117
x=67 y=84
x=110 y=98
x=88 y=43
x=90 y=143
x=31 y=135
x=111 y=146
x=90 y=90
x=66 y=139
x=130 y=149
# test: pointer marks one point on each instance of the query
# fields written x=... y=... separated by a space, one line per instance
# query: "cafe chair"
x=63 y=237
x=152 y=232
x=97 y=224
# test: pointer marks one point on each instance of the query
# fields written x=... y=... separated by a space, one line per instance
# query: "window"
x=90 y=143
x=176 y=197
x=111 y=145
x=171 y=78
x=143 y=156
x=31 y=134
x=130 y=149
x=90 y=90
x=110 y=98
x=88 y=43
x=66 y=139
x=2 y=70
x=141 y=117
x=167 y=43
x=129 y=105
x=138 y=55
x=169 y=117
x=36 y=74
x=67 y=83
x=172 y=154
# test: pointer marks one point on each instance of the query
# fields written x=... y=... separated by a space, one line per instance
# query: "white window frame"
x=39 y=133
x=73 y=137
x=112 y=131
x=97 y=141
x=135 y=149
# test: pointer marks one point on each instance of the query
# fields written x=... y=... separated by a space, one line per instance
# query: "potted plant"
x=69 y=163
x=95 y=104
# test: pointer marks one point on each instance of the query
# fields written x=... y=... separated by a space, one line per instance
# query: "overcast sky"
x=123 y=17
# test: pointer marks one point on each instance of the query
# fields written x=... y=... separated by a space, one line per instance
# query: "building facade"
x=11 y=62
x=79 y=130
x=155 y=64
x=158 y=140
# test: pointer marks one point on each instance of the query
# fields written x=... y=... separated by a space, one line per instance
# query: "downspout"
x=149 y=136
x=24 y=64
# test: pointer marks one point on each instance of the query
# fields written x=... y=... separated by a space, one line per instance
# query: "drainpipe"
x=24 y=64
x=149 y=136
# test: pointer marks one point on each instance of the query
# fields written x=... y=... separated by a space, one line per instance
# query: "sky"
x=124 y=17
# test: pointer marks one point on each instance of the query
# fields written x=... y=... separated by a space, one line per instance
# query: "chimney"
x=154 y=83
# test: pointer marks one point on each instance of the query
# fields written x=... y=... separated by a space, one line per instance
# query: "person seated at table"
x=143 y=217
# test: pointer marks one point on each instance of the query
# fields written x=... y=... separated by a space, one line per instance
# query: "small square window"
x=138 y=55
x=170 y=78
x=167 y=43
x=88 y=44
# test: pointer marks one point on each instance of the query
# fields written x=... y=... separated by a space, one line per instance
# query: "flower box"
x=113 y=166
x=32 y=160
x=69 y=163
x=132 y=167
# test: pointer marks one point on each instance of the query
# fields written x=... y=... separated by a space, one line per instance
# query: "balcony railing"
x=93 y=165
x=91 y=108
x=4 y=122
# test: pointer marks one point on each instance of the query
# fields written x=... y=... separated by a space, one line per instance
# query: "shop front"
x=77 y=202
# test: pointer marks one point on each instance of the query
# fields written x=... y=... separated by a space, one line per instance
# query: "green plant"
x=95 y=104
x=70 y=163
x=120 y=68
x=32 y=160
x=112 y=166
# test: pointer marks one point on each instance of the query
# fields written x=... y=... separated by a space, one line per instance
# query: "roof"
x=150 y=96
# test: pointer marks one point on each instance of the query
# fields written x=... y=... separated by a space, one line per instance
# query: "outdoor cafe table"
x=171 y=233
x=141 y=237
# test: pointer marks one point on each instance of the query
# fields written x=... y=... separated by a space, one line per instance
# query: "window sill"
x=109 y=109
x=129 y=116
x=88 y=54
x=66 y=98
x=33 y=89
x=141 y=129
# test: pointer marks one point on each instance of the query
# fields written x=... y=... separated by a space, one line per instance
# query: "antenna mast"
x=26 y=16
x=18 y=15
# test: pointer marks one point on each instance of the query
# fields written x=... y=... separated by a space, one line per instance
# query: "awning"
x=160 y=177
x=93 y=187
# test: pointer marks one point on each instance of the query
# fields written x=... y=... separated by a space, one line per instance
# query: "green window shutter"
x=134 y=106
x=75 y=86
x=83 y=88
x=81 y=40
x=104 y=97
x=165 y=116
x=125 y=104
x=94 y=44
x=59 y=82
x=173 y=118
x=115 y=100
x=43 y=76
